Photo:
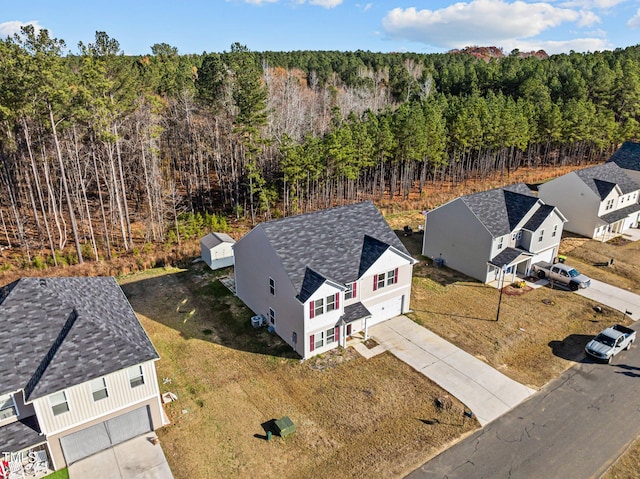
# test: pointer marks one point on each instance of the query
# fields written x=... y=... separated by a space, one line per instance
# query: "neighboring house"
x=628 y=158
x=320 y=277
x=77 y=369
x=217 y=250
x=599 y=202
x=483 y=234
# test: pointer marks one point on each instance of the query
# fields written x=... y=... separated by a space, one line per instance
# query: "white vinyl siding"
x=82 y=406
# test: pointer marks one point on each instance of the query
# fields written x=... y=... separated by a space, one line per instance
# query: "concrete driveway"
x=486 y=391
x=137 y=458
x=614 y=297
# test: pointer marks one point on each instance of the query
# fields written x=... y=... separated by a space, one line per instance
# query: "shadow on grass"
x=571 y=348
x=195 y=303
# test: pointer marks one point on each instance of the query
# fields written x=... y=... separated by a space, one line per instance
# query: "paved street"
x=574 y=428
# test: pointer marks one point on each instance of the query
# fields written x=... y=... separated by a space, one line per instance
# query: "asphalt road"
x=574 y=428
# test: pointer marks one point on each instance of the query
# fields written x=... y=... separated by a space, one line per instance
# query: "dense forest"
x=102 y=153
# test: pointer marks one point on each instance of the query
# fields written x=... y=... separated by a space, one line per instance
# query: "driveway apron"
x=137 y=458
x=487 y=392
x=614 y=297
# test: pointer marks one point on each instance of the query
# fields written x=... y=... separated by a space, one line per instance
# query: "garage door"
x=96 y=438
x=385 y=310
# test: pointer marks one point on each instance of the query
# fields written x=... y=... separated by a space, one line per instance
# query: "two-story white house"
x=493 y=235
x=599 y=202
x=320 y=277
x=77 y=369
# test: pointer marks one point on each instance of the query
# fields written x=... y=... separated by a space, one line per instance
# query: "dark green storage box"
x=285 y=426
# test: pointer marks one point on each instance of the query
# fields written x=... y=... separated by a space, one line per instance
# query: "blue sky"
x=381 y=26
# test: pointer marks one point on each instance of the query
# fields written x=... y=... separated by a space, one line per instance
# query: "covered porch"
x=24 y=448
x=618 y=222
x=505 y=268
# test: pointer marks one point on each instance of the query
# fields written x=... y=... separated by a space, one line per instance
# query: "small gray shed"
x=216 y=250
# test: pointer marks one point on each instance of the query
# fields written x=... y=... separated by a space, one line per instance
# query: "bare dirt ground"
x=355 y=418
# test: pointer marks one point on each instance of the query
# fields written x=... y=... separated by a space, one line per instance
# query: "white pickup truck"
x=562 y=274
x=610 y=342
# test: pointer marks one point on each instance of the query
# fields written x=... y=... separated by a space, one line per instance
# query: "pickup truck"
x=561 y=273
x=610 y=342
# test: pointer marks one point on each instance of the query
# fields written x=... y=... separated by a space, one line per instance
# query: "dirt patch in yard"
x=355 y=418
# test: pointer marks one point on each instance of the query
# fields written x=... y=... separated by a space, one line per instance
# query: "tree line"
x=101 y=152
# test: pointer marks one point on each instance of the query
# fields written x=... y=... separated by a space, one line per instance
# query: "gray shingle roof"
x=214 y=239
x=20 y=435
x=59 y=332
x=627 y=156
x=506 y=256
x=541 y=214
x=603 y=178
x=354 y=312
x=501 y=209
x=617 y=215
x=334 y=243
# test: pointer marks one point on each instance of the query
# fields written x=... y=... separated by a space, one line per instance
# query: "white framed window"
x=7 y=407
x=609 y=204
x=331 y=335
x=391 y=277
x=272 y=316
x=318 y=307
x=331 y=303
x=350 y=293
x=272 y=286
x=136 y=376
x=541 y=236
x=99 y=389
x=59 y=403
x=385 y=279
x=319 y=340
x=500 y=242
x=555 y=231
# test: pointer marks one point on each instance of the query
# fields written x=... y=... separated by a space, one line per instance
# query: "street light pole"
x=501 y=286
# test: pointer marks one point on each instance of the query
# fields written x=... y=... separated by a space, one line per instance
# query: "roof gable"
x=501 y=210
x=214 y=239
x=602 y=179
x=333 y=243
x=59 y=332
x=627 y=156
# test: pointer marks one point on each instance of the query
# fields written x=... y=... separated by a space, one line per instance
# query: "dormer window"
x=7 y=407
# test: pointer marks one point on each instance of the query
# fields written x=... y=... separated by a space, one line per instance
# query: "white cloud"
x=8 y=29
x=364 y=7
x=588 y=19
x=553 y=47
x=634 y=22
x=591 y=4
x=479 y=22
x=326 y=3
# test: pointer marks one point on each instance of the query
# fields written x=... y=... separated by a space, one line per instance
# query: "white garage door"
x=96 y=438
x=385 y=310
x=546 y=256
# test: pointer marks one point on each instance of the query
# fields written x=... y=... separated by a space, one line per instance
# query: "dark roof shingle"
x=627 y=156
x=331 y=242
x=603 y=178
x=501 y=209
x=60 y=332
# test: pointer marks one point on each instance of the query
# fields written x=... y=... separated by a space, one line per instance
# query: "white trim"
x=93 y=418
